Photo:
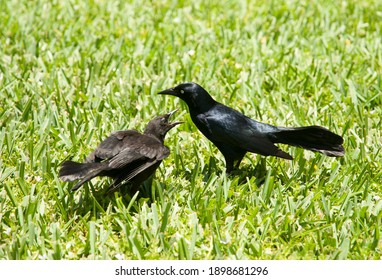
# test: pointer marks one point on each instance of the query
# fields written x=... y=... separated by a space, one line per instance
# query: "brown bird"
x=127 y=156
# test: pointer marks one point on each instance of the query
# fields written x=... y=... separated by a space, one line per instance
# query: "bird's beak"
x=170 y=114
x=169 y=91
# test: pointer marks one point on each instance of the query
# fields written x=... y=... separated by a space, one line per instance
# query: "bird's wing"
x=232 y=128
x=126 y=146
x=123 y=178
x=144 y=157
x=145 y=149
x=113 y=145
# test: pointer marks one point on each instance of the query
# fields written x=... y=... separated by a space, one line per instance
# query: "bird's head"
x=159 y=126
x=196 y=97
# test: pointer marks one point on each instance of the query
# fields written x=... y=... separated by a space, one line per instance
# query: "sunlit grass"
x=71 y=72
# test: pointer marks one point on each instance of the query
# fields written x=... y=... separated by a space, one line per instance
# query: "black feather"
x=314 y=138
x=235 y=134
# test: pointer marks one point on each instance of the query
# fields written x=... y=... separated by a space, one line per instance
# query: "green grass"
x=71 y=72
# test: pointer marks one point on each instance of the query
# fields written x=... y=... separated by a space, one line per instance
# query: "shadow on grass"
x=257 y=170
x=96 y=201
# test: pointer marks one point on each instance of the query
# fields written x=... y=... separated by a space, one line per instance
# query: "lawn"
x=72 y=72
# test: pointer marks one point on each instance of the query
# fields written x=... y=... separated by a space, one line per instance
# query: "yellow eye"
x=181 y=91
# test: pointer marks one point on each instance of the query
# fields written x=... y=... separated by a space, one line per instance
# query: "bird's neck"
x=154 y=135
x=202 y=105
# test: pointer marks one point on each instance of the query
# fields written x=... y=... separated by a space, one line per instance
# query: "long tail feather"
x=314 y=138
x=71 y=171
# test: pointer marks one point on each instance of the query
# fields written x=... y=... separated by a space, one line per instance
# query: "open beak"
x=168 y=115
x=169 y=91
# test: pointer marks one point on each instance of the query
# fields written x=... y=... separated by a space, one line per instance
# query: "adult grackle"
x=127 y=156
x=234 y=134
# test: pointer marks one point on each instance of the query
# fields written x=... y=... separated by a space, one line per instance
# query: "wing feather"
x=131 y=175
x=234 y=129
x=113 y=145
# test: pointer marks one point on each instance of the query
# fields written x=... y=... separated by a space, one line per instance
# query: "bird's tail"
x=314 y=138
x=71 y=171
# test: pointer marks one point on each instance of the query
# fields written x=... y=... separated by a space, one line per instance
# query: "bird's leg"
x=260 y=171
x=229 y=166
x=232 y=164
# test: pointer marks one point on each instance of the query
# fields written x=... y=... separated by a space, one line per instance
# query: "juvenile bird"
x=127 y=156
x=234 y=134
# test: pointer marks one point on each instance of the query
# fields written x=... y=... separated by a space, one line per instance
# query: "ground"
x=71 y=72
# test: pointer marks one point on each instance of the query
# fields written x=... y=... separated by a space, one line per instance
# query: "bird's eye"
x=181 y=91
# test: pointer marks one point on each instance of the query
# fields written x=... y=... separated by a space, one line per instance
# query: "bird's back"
x=234 y=133
x=222 y=122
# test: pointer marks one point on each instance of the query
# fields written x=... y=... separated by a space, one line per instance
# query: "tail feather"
x=314 y=138
x=71 y=171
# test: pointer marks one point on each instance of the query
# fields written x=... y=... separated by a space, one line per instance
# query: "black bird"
x=127 y=156
x=234 y=134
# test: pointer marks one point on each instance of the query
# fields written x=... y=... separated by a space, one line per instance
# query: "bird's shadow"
x=213 y=168
x=96 y=200
x=257 y=170
x=93 y=198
